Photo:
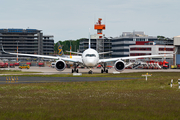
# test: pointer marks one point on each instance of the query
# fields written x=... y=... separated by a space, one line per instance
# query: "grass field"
x=125 y=99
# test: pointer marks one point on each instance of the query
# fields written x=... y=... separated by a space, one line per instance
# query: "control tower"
x=99 y=27
x=98 y=41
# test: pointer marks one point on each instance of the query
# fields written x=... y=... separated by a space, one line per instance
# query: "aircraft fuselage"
x=90 y=58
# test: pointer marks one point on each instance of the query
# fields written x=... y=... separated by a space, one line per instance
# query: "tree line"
x=66 y=45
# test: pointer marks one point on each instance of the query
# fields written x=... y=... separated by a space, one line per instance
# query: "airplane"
x=61 y=53
x=89 y=58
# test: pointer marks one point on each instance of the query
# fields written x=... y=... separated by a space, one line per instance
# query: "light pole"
x=17 y=50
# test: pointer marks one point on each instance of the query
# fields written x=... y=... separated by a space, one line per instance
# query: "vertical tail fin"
x=89 y=39
x=60 y=51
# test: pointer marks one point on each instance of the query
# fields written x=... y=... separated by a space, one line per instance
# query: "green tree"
x=66 y=45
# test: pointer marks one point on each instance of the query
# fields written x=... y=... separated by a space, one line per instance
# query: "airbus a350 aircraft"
x=89 y=58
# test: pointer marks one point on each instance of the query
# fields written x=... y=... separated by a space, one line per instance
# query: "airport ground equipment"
x=24 y=66
x=28 y=63
x=41 y=64
x=3 y=65
x=12 y=65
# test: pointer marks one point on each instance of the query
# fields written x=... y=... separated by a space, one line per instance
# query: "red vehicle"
x=3 y=65
x=41 y=64
x=178 y=66
x=99 y=66
x=16 y=64
x=12 y=65
x=109 y=66
x=165 y=64
x=28 y=63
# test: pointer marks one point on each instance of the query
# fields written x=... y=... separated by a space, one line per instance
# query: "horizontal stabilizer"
x=105 y=52
x=74 y=52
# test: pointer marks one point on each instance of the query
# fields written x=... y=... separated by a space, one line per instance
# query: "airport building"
x=28 y=41
x=139 y=50
x=120 y=45
x=177 y=46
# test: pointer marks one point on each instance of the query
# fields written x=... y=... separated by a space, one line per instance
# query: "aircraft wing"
x=132 y=57
x=79 y=60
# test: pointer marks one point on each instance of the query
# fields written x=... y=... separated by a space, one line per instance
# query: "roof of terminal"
x=19 y=31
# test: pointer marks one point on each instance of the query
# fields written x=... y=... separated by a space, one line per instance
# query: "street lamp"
x=17 y=50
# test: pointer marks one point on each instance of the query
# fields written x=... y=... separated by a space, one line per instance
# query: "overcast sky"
x=71 y=19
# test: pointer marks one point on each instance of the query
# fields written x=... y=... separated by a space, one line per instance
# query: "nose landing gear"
x=90 y=72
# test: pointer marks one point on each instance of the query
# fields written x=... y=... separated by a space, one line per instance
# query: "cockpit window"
x=90 y=55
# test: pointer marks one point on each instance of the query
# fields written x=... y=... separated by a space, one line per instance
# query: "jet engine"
x=119 y=65
x=60 y=65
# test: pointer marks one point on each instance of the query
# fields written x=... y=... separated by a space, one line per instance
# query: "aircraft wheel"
x=90 y=72
x=72 y=70
x=101 y=71
x=77 y=70
x=106 y=71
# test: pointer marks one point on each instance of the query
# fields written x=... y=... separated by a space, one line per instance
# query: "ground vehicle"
x=24 y=66
x=28 y=63
x=16 y=64
x=41 y=64
x=12 y=65
x=3 y=65
x=53 y=64
x=165 y=64
x=173 y=66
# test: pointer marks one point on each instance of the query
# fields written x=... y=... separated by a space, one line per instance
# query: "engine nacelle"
x=60 y=65
x=119 y=65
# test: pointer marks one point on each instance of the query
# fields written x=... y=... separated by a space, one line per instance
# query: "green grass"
x=124 y=99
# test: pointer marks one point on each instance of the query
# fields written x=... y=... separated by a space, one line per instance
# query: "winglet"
x=175 y=51
x=3 y=49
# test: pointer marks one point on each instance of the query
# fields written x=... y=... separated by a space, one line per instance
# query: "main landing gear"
x=75 y=68
x=104 y=68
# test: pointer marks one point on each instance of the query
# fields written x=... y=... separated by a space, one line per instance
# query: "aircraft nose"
x=91 y=62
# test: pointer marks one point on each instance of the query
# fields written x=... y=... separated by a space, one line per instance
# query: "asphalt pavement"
x=20 y=79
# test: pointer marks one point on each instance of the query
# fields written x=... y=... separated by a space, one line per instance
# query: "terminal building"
x=177 y=46
x=28 y=41
x=121 y=45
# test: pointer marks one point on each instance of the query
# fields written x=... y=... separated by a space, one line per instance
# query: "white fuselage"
x=90 y=58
